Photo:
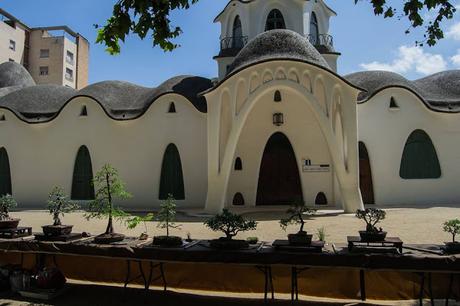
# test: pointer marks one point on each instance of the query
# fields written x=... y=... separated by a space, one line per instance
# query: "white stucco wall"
x=43 y=155
x=385 y=131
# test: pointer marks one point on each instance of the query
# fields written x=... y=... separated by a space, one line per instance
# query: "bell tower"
x=241 y=21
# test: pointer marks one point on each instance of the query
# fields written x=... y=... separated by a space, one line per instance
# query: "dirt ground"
x=412 y=225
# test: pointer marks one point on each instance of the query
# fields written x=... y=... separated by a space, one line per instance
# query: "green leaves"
x=134 y=221
x=6 y=203
x=230 y=224
x=296 y=215
x=58 y=204
x=372 y=216
x=141 y=17
x=452 y=227
x=414 y=10
x=167 y=214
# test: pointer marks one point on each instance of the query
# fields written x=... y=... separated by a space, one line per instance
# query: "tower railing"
x=321 y=40
x=233 y=42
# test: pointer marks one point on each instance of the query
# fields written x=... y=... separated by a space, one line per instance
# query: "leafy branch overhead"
x=142 y=17
x=414 y=10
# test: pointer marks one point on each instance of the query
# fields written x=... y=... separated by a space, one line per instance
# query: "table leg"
x=163 y=276
x=293 y=270
x=430 y=288
x=128 y=273
x=362 y=284
x=422 y=288
x=141 y=269
x=449 y=289
x=272 y=289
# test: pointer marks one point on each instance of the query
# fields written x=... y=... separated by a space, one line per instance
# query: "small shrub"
x=296 y=215
x=372 y=216
x=452 y=227
x=6 y=203
x=59 y=204
x=321 y=233
x=230 y=224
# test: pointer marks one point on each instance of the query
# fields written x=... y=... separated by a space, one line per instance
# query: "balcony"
x=324 y=43
x=230 y=46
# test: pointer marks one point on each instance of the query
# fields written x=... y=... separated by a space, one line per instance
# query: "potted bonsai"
x=372 y=216
x=109 y=186
x=452 y=227
x=6 y=203
x=296 y=215
x=58 y=205
x=230 y=224
x=134 y=221
x=166 y=217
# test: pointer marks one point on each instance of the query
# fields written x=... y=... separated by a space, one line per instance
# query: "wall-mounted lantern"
x=278 y=119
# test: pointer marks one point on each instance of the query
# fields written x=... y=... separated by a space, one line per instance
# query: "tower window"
x=237 y=41
x=314 y=30
x=172 y=108
x=238 y=164
x=275 y=20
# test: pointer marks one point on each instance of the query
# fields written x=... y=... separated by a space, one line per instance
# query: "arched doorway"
x=365 y=175
x=5 y=174
x=279 y=179
x=172 y=178
x=82 y=183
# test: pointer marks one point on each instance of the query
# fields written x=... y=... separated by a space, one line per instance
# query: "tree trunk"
x=109 y=229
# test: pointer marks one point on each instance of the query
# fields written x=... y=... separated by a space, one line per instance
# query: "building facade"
x=52 y=55
x=278 y=126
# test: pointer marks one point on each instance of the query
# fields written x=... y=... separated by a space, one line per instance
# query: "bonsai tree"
x=59 y=204
x=108 y=187
x=230 y=224
x=136 y=220
x=166 y=217
x=452 y=227
x=372 y=216
x=296 y=215
x=6 y=203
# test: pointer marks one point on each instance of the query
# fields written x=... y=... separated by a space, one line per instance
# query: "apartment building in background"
x=52 y=55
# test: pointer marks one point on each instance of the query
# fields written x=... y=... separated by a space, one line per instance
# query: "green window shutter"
x=82 y=183
x=5 y=174
x=419 y=160
x=172 y=179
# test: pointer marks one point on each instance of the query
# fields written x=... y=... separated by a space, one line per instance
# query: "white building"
x=279 y=126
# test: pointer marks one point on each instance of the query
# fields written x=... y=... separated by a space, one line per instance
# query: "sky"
x=366 y=41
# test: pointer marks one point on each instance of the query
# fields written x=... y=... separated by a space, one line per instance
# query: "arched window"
x=84 y=111
x=5 y=174
x=82 y=183
x=277 y=96
x=238 y=164
x=275 y=20
x=238 y=199
x=172 y=179
x=314 y=30
x=419 y=159
x=172 y=108
x=237 y=41
x=321 y=199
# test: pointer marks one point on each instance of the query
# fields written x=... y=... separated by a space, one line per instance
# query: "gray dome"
x=14 y=74
x=278 y=44
x=37 y=100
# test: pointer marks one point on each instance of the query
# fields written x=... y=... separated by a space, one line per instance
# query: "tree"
x=6 y=203
x=167 y=214
x=144 y=17
x=372 y=216
x=59 y=204
x=452 y=227
x=109 y=186
x=230 y=224
x=296 y=215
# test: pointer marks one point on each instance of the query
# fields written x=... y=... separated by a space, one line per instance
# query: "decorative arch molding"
x=226 y=121
x=171 y=178
x=321 y=95
x=5 y=173
x=82 y=180
x=419 y=159
x=348 y=181
x=241 y=95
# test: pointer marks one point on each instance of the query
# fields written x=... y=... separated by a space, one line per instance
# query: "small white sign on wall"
x=307 y=166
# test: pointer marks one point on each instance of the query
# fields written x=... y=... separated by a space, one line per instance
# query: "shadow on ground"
x=93 y=295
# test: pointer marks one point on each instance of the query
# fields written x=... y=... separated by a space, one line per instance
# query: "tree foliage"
x=296 y=215
x=452 y=227
x=59 y=204
x=372 y=216
x=147 y=17
x=167 y=214
x=109 y=186
x=6 y=203
x=413 y=10
x=142 y=17
x=230 y=224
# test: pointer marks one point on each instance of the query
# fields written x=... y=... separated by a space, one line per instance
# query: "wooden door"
x=279 y=179
x=365 y=175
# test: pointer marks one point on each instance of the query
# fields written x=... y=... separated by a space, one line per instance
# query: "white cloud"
x=411 y=59
x=454 y=31
x=456 y=58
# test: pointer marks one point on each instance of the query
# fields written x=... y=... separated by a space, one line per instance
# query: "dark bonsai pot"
x=167 y=241
x=228 y=244
x=372 y=236
x=57 y=230
x=452 y=247
x=108 y=238
x=9 y=224
x=300 y=239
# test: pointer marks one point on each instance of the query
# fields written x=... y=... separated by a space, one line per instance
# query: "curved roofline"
x=239 y=69
x=55 y=115
x=423 y=100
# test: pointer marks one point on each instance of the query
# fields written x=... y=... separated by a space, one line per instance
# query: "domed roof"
x=278 y=44
x=14 y=74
